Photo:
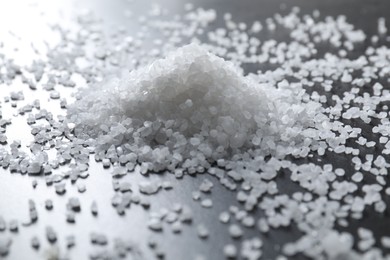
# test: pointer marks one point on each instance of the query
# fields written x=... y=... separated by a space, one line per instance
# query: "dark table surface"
x=16 y=190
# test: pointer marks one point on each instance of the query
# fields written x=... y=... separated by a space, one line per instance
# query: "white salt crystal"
x=203 y=231
x=256 y=27
x=155 y=224
x=207 y=203
x=382 y=29
x=195 y=195
x=35 y=242
x=5 y=244
x=385 y=241
x=60 y=188
x=248 y=221
x=206 y=185
x=148 y=187
x=235 y=231
x=55 y=95
x=357 y=177
x=230 y=251
x=34 y=168
x=224 y=217
x=177 y=227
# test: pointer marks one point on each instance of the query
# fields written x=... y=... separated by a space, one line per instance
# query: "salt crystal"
x=60 y=188
x=155 y=224
x=195 y=195
x=206 y=185
x=357 y=177
x=230 y=251
x=81 y=187
x=148 y=187
x=382 y=29
x=70 y=217
x=235 y=231
x=48 y=204
x=3 y=224
x=5 y=244
x=13 y=225
x=207 y=203
x=202 y=230
x=94 y=208
x=55 y=95
x=177 y=227
x=224 y=217
x=74 y=204
x=70 y=241
x=51 y=235
x=35 y=242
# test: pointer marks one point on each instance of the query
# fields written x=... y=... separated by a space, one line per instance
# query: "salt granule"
x=94 y=208
x=235 y=231
x=230 y=251
x=382 y=29
x=203 y=231
x=13 y=225
x=3 y=224
x=224 y=217
x=5 y=244
x=206 y=185
x=51 y=235
x=148 y=187
x=70 y=241
x=48 y=204
x=35 y=242
x=207 y=203
x=155 y=224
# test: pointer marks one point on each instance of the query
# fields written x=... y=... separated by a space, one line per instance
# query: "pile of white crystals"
x=189 y=110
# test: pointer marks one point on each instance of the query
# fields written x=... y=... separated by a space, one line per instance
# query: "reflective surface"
x=16 y=190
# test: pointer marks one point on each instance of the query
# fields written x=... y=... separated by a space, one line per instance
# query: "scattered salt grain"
x=74 y=204
x=382 y=29
x=13 y=225
x=3 y=224
x=5 y=244
x=207 y=203
x=196 y=195
x=94 y=208
x=70 y=241
x=357 y=177
x=206 y=186
x=81 y=187
x=70 y=217
x=51 y=235
x=224 y=217
x=230 y=251
x=155 y=224
x=35 y=242
x=55 y=95
x=203 y=231
x=148 y=187
x=177 y=227
x=235 y=231
x=60 y=188
x=48 y=204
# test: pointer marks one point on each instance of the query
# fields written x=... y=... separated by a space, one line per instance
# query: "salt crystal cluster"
x=191 y=108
